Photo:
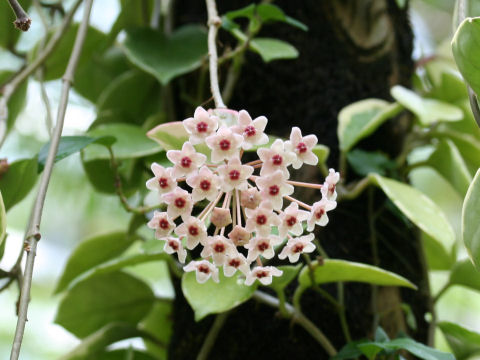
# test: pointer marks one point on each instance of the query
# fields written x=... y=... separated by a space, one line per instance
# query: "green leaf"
x=342 y=270
x=289 y=273
x=428 y=111
x=465 y=274
x=18 y=181
x=465 y=51
x=447 y=160
x=467 y=144
x=18 y=99
x=125 y=354
x=101 y=299
x=171 y=136
x=418 y=349
x=360 y=119
x=92 y=347
x=166 y=57
x=247 y=12
x=464 y=342
x=417 y=207
x=131 y=260
x=470 y=223
x=91 y=253
x=8 y=33
x=273 y=49
x=270 y=12
x=447 y=83
x=3 y=224
x=322 y=152
x=132 y=142
x=213 y=298
x=438 y=258
x=160 y=324
x=366 y=162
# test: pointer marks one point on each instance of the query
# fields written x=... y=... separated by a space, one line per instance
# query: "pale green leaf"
x=214 y=298
x=18 y=181
x=470 y=220
x=464 y=273
x=289 y=273
x=273 y=49
x=464 y=342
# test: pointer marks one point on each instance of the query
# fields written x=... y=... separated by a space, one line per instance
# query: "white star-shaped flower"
x=318 y=214
x=291 y=220
x=200 y=126
x=297 y=246
x=205 y=184
x=260 y=245
x=204 y=270
x=263 y=274
x=194 y=230
x=179 y=203
x=261 y=219
x=234 y=175
x=234 y=263
x=273 y=187
x=162 y=224
x=329 y=186
x=218 y=247
x=174 y=245
x=225 y=144
x=163 y=181
x=252 y=131
x=186 y=160
x=302 y=148
x=275 y=158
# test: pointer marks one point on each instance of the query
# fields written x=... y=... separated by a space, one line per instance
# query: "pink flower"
x=302 y=148
x=205 y=184
x=250 y=198
x=200 y=126
x=234 y=263
x=162 y=224
x=204 y=270
x=275 y=158
x=263 y=274
x=225 y=144
x=221 y=217
x=262 y=246
x=234 y=175
x=179 y=203
x=273 y=187
x=318 y=214
x=261 y=219
x=291 y=220
x=329 y=186
x=163 y=181
x=252 y=131
x=297 y=246
x=174 y=245
x=186 y=160
x=194 y=230
x=218 y=247
x=239 y=235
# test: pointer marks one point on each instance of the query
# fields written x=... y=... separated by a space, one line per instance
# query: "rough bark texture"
x=344 y=57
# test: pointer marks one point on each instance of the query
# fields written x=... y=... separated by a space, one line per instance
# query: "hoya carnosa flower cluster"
x=255 y=212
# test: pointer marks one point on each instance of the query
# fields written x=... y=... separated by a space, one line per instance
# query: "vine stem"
x=213 y=23
x=13 y=85
x=32 y=236
x=212 y=335
x=298 y=317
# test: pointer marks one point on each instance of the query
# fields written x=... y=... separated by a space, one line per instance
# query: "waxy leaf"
x=213 y=298
x=366 y=162
x=360 y=119
x=131 y=260
x=464 y=274
x=470 y=220
x=428 y=111
x=289 y=273
x=18 y=99
x=171 y=136
x=273 y=49
x=18 y=181
x=91 y=253
x=464 y=342
x=333 y=270
x=418 y=208
x=466 y=52
x=102 y=299
x=322 y=152
x=166 y=57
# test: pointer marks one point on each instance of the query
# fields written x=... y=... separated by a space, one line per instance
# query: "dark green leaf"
x=102 y=299
x=418 y=349
x=18 y=181
x=131 y=260
x=17 y=100
x=289 y=273
x=126 y=354
x=468 y=145
x=470 y=223
x=465 y=274
x=167 y=57
x=247 y=12
x=91 y=253
x=273 y=49
x=365 y=162
x=381 y=335
x=270 y=12
x=437 y=256
x=160 y=324
x=464 y=342
x=214 y=298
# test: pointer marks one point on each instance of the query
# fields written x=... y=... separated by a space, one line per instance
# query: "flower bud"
x=239 y=236
x=250 y=198
x=221 y=217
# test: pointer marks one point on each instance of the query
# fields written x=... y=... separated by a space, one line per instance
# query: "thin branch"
x=214 y=22
x=23 y=21
x=212 y=336
x=13 y=85
x=298 y=318
x=32 y=236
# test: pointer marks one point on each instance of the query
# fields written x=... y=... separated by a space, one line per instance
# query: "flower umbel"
x=248 y=215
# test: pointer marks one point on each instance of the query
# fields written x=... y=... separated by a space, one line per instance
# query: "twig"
x=298 y=318
x=354 y=191
x=32 y=236
x=12 y=86
x=212 y=336
x=213 y=23
x=22 y=21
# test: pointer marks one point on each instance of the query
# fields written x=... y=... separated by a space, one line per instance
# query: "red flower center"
x=180 y=202
x=250 y=131
x=298 y=248
x=263 y=246
x=234 y=175
x=292 y=220
x=185 y=162
x=273 y=190
x=261 y=274
x=234 y=263
x=261 y=219
x=277 y=160
x=163 y=182
x=173 y=245
x=219 y=248
x=224 y=145
x=320 y=213
x=193 y=230
x=163 y=223
x=205 y=185
x=202 y=126
x=301 y=148
x=204 y=269
x=331 y=189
